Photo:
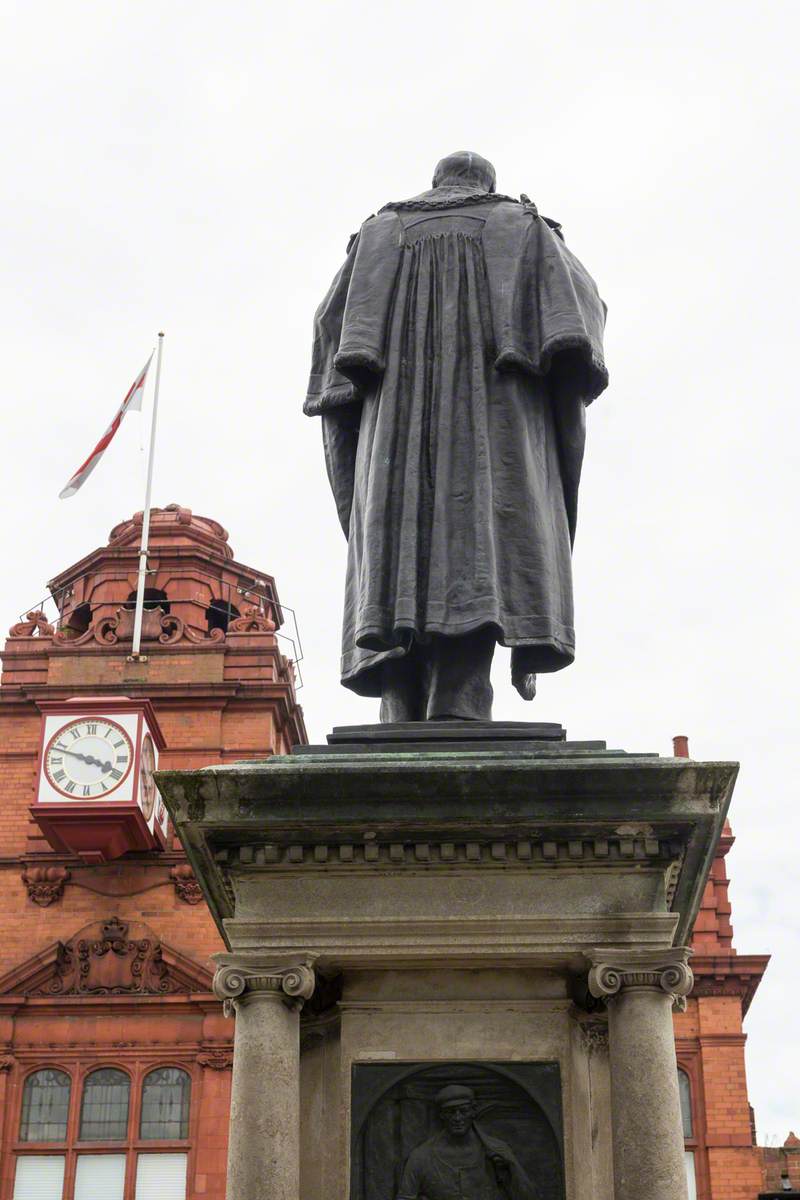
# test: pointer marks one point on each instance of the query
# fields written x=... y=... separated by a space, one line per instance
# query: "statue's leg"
x=458 y=684
x=401 y=688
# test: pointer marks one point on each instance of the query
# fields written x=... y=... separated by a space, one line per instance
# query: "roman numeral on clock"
x=115 y=774
x=69 y=787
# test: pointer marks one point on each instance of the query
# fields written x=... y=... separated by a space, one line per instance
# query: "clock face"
x=148 y=784
x=88 y=758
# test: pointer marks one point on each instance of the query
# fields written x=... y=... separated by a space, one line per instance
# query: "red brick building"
x=114 y=1055
x=718 y=1123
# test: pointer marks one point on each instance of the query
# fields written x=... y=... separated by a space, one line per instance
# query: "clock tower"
x=114 y=1054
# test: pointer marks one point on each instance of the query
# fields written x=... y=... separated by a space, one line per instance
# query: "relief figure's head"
x=457 y=1107
x=465 y=169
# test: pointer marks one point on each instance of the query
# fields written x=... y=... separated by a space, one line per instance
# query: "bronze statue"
x=463 y=1161
x=454 y=355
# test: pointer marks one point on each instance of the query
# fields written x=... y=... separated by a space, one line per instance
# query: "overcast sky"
x=199 y=167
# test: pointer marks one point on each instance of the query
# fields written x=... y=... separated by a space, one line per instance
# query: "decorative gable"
x=108 y=958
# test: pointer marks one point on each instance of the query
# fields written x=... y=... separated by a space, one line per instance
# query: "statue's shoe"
x=525 y=684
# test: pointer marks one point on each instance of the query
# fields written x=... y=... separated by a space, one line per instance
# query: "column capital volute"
x=239 y=980
x=616 y=971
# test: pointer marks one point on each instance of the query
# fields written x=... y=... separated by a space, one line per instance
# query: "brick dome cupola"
x=195 y=588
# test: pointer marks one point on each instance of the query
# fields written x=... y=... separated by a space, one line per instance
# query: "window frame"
x=23 y=1084
x=145 y=1075
x=690 y=1066
x=132 y=1145
x=79 y=1141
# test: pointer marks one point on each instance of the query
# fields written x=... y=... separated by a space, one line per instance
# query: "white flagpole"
x=137 y=620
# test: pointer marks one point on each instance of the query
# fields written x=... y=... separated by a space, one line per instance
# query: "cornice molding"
x=736 y=975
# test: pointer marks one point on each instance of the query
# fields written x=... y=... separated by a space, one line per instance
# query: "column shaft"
x=645 y=1104
x=264 y=1146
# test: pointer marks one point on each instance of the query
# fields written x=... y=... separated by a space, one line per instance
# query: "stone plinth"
x=464 y=910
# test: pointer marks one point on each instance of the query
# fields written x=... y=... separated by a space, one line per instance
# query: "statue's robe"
x=453 y=356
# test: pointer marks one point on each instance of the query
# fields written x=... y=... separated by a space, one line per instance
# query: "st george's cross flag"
x=133 y=400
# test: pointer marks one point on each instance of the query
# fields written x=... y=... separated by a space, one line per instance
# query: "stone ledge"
x=433 y=812
x=467 y=942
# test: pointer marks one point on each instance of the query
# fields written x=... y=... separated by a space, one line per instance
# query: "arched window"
x=104 y=1108
x=165 y=1104
x=45 y=1107
x=220 y=613
x=685 y=1089
x=153 y=598
x=78 y=619
x=80 y=1142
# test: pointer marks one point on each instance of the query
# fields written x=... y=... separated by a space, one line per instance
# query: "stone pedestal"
x=500 y=915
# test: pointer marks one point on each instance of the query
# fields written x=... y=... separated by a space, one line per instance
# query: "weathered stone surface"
x=458 y=900
x=623 y=823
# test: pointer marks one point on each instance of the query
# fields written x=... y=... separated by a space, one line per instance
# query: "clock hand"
x=87 y=758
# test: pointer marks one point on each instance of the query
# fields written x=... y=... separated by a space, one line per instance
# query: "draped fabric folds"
x=453 y=357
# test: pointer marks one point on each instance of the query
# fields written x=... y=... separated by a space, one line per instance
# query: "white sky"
x=199 y=167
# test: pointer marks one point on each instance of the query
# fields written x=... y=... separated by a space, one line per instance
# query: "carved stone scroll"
x=34 y=625
x=252 y=620
x=110 y=963
x=668 y=970
x=236 y=984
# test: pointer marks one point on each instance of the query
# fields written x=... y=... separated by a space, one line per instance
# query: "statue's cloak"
x=453 y=356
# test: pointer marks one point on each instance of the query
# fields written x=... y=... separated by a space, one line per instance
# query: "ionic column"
x=264 y=1139
x=641 y=987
